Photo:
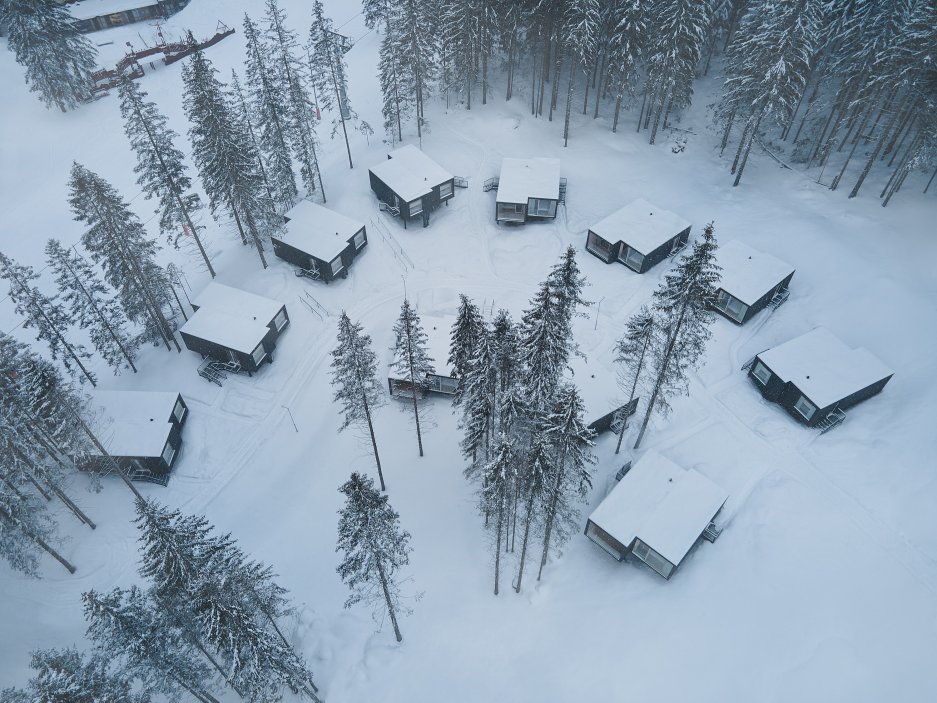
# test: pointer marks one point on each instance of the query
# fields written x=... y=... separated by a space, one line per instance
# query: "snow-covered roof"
x=231 y=330
x=665 y=506
x=438 y=330
x=137 y=423
x=318 y=231
x=748 y=274
x=599 y=391
x=521 y=179
x=640 y=225
x=823 y=368
x=89 y=9
x=410 y=173
x=238 y=302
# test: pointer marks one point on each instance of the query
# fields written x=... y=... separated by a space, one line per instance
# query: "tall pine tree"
x=411 y=359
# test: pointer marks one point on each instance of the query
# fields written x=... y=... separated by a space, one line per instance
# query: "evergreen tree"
x=328 y=70
x=375 y=547
x=91 y=306
x=46 y=315
x=58 y=60
x=566 y=283
x=683 y=306
x=395 y=106
x=504 y=334
x=480 y=403
x=543 y=348
x=65 y=676
x=497 y=485
x=411 y=359
x=375 y=12
x=632 y=353
x=116 y=240
x=284 y=49
x=160 y=167
x=354 y=376
x=532 y=481
x=413 y=44
x=130 y=628
x=627 y=44
x=225 y=156
x=582 y=20
x=268 y=106
x=570 y=478
x=25 y=526
x=466 y=331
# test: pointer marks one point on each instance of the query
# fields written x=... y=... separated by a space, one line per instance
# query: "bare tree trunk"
x=874 y=155
x=551 y=511
x=38 y=540
x=528 y=519
x=498 y=530
x=377 y=458
x=387 y=598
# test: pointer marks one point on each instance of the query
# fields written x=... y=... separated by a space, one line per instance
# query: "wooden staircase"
x=833 y=419
x=312 y=274
x=491 y=184
x=217 y=371
x=563 y=191
x=711 y=533
x=779 y=298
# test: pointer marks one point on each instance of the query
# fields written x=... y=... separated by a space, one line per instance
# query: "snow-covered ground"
x=822 y=586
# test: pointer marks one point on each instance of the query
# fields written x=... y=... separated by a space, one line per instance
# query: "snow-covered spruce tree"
x=67 y=676
x=395 y=107
x=767 y=68
x=241 y=111
x=497 y=486
x=581 y=26
x=543 y=349
x=570 y=477
x=231 y=603
x=268 y=108
x=58 y=60
x=683 y=308
x=225 y=157
x=375 y=548
x=412 y=32
x=44 y=314
x=532 y=481
x=677 y=39
x=283 y=47
x=479 y=404
x=132 y=629
x=632 y=353
x=160 y=169
x=627 y=45
x=375 y=12
x=412 y=360
x=92 y=307
x=354 y=376
x=459 y=42
x=116 y=240
x=566 y=283
x=328 y=70
x=25 y=528
x=466 y=331
x=504 y=334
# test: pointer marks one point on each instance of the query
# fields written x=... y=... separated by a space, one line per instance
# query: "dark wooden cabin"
x=438 y=337
x=94 y=15
x=816 y=377
x=751 y=280
x=639 y=235
x=656 y=514
x=528 y=189
x=321 y=242
x=411 y=184
x=142 y=432
x=234 y=326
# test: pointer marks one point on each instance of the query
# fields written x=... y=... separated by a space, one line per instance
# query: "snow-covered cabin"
x=606 y=405
x=232 y=325
x=438 y=331
x=141 y=430
x=410 y=183
x=815 y=376
x=657 y=513
x=527 y=189
x=639 y=235
x=321 y=242
x=750 y=281
x=92 y=15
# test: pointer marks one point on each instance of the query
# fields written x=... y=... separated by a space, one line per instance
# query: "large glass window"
x=336 y=265
x=178 y=412
x=541 y=207
x=632 y=257
x=515 y=212
x=416 y=206
x=445 y=190
x=761 y=372
x=359 y=239
x=280 y=320
x=259 y=354
x=169 y=452
x=805 y=407
x=732 y=306
x=599 y=246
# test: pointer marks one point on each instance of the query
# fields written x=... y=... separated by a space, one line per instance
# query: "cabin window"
x=541 y=207
x=731 y=306
x=805 y=407
x=597 y=535
x=416 y=206
x=336 y=265
x=761 y=372
x=280 y=320
x=599 y=246
x=359 y=239
x=658 y=563
x=169 y=452
x=632 y=257
x=446 y=384
x=445 y=190
x=514 y=212
x=258 y=354
x=178 y=412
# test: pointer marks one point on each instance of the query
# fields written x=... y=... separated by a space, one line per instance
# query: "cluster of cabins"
x=657 y=511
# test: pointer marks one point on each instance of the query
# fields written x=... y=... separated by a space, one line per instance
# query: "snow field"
x=822 y=584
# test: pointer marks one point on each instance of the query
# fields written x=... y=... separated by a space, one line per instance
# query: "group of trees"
x=207 y=619
x=525 y=438
x=826 y=76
